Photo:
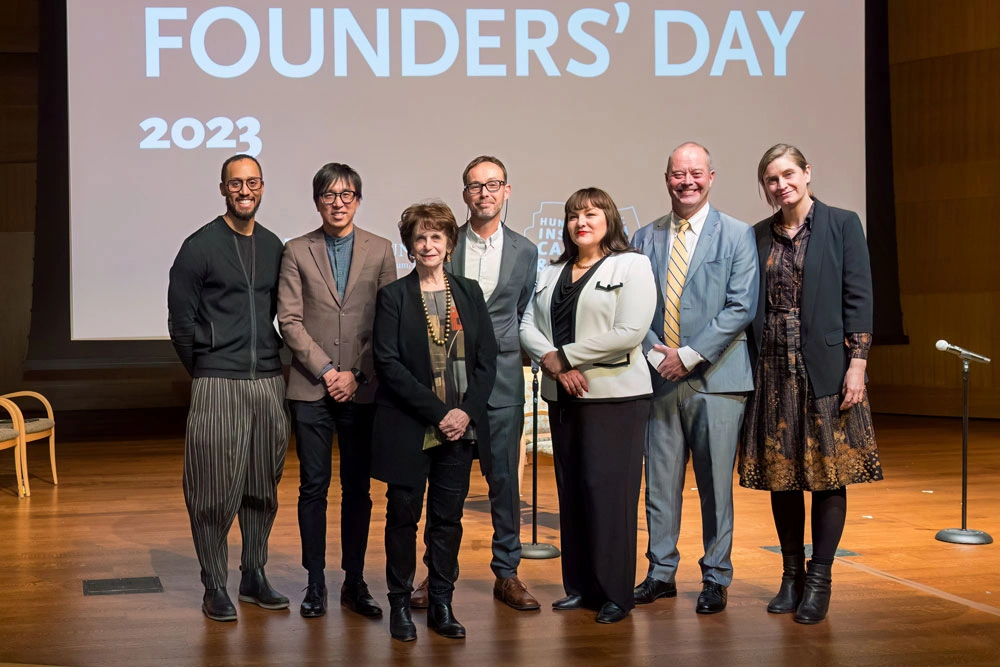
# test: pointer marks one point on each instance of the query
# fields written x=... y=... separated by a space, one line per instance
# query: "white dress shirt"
x=482 y=258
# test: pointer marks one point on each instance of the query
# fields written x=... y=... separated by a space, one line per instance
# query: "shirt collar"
x=697 y=220
x=491 y=241
x=339 y=240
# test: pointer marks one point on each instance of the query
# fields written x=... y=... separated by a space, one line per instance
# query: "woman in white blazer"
x=585 y=326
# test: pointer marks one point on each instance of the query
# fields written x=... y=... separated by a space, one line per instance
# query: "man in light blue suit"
x=697 y=350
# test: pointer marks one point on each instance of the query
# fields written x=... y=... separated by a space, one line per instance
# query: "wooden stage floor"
x=902 y=598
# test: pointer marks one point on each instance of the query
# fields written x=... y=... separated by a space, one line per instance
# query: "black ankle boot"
x=793 y=580
x=816 y=597
x=401 y=625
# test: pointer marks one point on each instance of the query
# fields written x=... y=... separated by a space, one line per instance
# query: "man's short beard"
x=244 y=217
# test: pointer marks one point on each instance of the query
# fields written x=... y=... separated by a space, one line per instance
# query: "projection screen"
x=568 y=95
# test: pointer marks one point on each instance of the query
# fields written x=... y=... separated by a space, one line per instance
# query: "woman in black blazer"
x=808 y=426
x=435 y=358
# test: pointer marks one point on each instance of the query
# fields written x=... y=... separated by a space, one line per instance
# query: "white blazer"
x=613 y=314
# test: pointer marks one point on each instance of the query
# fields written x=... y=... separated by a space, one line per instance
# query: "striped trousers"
x=234 y=454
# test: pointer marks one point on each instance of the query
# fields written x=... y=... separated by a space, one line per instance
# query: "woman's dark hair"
x=435 y=215
x=614 y=241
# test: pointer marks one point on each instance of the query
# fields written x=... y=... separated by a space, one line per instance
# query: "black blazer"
x=405 y=403
x=836 y=294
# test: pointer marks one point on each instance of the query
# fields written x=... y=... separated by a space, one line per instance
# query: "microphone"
x=534 y=366
x=945 y=346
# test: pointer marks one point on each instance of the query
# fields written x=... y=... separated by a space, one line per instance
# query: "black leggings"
x=829 y=513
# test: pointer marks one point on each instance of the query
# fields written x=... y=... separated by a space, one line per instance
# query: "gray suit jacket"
x=518 y=270
x=319 y=327
x=718 y=302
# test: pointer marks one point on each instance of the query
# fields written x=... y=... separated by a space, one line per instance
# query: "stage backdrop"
x=576 y=94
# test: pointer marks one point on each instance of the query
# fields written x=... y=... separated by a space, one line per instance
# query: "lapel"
x=359 y=255
x=416 y=339
x=508 y=257
x=317 y=247
x=661 y=250
x=456 y=266
x=709 y=234
x=818 y=240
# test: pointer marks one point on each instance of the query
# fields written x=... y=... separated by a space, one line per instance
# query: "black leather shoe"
x=712 y=599
x=255 y=589
x=441 y=620
x=355 y=596
x=568 y=602
x=217 y=605
x=611 y=613
x=651 y=590
x=314 y=604
x=401 y=625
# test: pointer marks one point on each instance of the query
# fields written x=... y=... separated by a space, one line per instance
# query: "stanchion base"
x=537 y=551
x=960 y=536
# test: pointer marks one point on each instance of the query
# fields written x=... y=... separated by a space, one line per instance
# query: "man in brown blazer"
x=326 y=305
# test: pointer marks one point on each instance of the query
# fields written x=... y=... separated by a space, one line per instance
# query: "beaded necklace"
x=447 y=315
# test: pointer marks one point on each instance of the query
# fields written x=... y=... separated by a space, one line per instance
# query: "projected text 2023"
x=170 y=31
x=242 y=134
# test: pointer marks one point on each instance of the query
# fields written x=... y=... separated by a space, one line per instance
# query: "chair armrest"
x=33 y=394
x=15 y=414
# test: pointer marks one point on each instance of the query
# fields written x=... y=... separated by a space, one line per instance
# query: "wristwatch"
x=359 y=377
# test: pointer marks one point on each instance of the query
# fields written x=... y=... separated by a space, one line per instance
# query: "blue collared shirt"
x=339 y=251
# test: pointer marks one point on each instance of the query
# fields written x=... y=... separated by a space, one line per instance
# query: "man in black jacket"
x=221 y=303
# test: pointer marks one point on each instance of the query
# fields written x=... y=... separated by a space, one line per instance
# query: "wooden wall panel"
x=15 y=305
x=920 y=29
x=945 y=96
x=19 y=133
x=945 y=111
x=17 y=196
x=949 y=246
x=19 y=79
x=19 y=26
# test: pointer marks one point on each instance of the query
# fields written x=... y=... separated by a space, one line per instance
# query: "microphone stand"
x=534 y=550
x=964 y=535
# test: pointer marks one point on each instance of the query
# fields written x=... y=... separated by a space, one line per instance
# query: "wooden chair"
x=37 y=429
x=13 y=437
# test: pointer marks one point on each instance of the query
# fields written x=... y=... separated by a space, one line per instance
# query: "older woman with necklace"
x=435 y=357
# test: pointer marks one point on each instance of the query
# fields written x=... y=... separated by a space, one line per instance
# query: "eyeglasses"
x=347 y=196
x=491 y=186
x=236 y=184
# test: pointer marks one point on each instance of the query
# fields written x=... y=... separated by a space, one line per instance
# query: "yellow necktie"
x=676 y=272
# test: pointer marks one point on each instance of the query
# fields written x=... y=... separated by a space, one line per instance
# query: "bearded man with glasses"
x=221 y=307
x=326 y=307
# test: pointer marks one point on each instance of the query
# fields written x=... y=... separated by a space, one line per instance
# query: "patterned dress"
x=791 y=439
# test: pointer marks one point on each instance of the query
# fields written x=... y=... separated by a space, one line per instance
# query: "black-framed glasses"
x=347 y=196
x=491 y=186
x=236 y=184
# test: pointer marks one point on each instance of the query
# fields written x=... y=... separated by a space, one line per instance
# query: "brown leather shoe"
x=513 y=593
x=418 y=598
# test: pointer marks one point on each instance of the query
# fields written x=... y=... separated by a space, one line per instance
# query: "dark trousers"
x=234 y=453
x=447 y=488
x=315 y=423
x=499 y=466
x=598 y=459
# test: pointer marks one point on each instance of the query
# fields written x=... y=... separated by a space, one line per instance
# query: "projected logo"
x=546 y=230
